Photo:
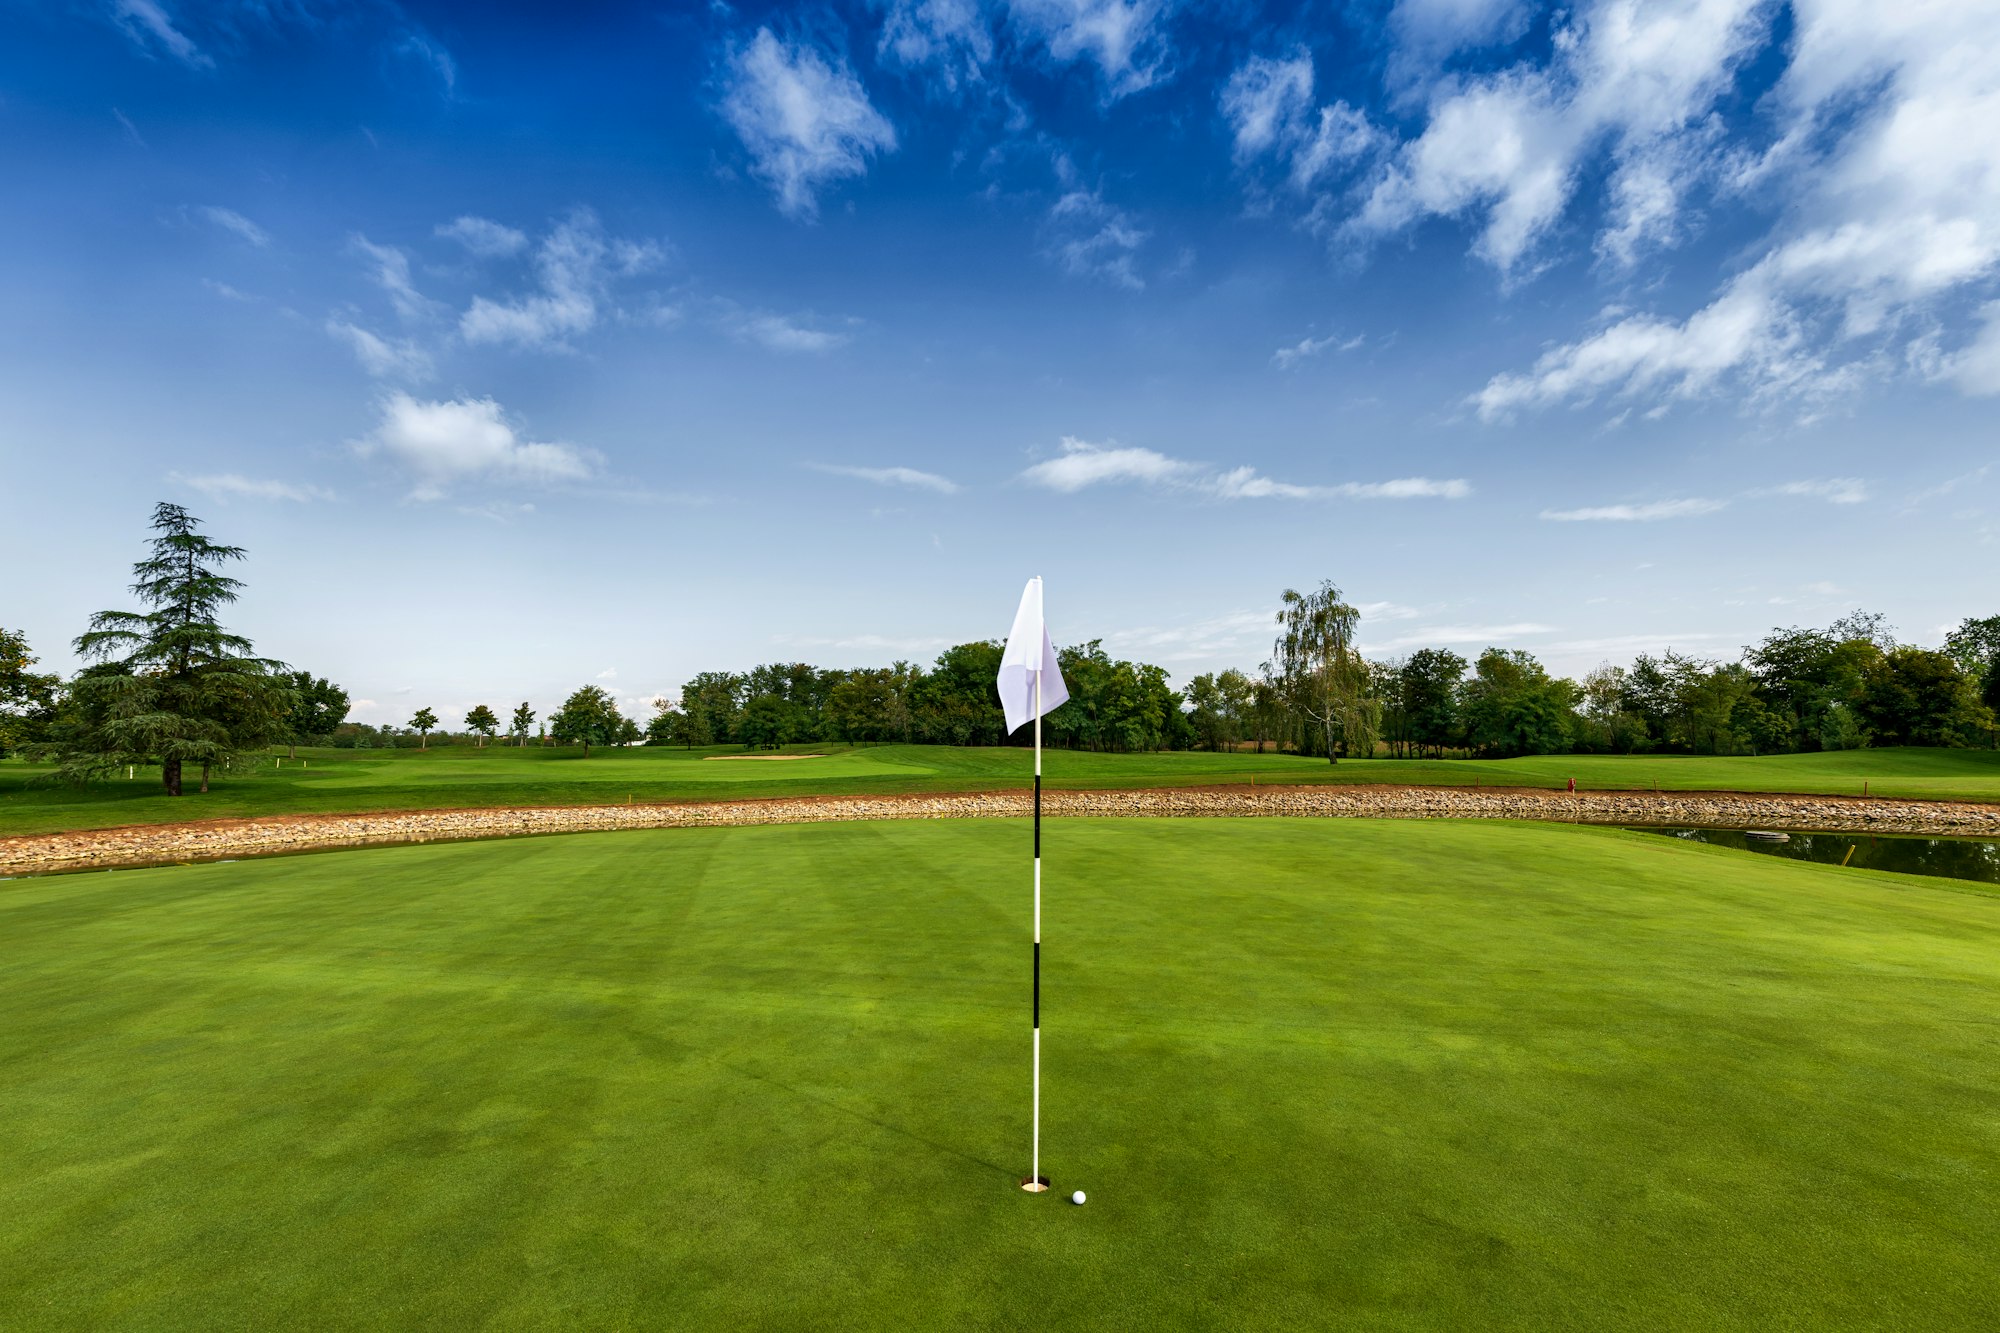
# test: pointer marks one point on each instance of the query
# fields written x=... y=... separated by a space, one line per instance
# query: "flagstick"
x=1034 y=1182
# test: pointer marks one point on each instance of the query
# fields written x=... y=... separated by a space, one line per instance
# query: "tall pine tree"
x=172 y=686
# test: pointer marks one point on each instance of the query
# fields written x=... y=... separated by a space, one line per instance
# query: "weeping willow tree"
x=1323 y=680
x=169 y=685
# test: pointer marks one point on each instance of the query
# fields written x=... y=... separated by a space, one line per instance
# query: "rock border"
x=166 y=844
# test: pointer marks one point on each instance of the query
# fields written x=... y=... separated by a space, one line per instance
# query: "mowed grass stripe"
x=338 y=781
x=1312 y=1073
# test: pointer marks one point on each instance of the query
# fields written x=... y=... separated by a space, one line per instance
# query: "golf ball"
x=1076 y=1197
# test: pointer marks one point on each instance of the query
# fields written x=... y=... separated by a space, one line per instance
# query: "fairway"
x=331 y=781
x=1311 y=1073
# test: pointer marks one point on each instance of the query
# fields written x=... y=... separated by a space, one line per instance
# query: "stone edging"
x=168 y=843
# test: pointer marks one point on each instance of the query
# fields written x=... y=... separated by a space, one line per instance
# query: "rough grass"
x=1312 y=1074
x=461 y=776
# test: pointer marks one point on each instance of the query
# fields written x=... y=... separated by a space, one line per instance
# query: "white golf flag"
x=1029 y=651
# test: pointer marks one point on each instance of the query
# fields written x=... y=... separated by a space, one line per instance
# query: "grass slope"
x=1312 y=1074
x=349 y=780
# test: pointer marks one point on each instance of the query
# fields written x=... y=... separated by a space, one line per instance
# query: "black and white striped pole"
x=1031 y=684
x=1036 y=1182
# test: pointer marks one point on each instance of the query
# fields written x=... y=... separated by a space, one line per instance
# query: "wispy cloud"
x=1834 y=490
x=445 y=444
x=1090 y=238
x=1082 y=464
x=575 y=265
x=1125 y=39
x=234 y=222
x=1432 y=635
x=151 y=28
x=483 y=237
x=803 y=117
x=779 y=333
x=907 y=477
x=947 y=38
x=226 y=486
x=1287 y=357
x=385 y=358
x=390 y=270
x=1636 y=513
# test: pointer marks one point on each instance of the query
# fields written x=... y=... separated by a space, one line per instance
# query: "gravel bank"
x=166 y=843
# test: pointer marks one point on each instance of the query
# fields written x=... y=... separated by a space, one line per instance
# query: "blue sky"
x=525 y=348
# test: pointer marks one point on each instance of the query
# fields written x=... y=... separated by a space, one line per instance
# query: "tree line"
x=168 y=685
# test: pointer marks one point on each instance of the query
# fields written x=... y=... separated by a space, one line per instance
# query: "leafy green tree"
x=1514 y=707
x=174 y=687
x=768 y=722
x=524 y=718
x=27 y=698
x=1975 y=646
x=1917 y=696
x=668 y=725
x=319 y=706
x=482 y=720
x=710 y=702
x=1324 y=680
x=1430 y=686
x=958 y=701
x=422 y=723
x=588 y=717
x=861 y=706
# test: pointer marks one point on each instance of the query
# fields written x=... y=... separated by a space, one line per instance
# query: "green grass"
x=1313 y=1074
x=460 y=776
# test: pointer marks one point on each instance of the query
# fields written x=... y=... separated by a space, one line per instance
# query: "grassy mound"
x=348 y=780
x=1311 y=1073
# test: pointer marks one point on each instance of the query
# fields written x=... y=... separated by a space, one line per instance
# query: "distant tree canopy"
x=28 y=699
x=170 y=686
x=423 y=724
x=590 y=717
x=318 y=707
x=481 y=719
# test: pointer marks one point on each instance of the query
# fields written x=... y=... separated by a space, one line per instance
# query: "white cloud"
x=805 y=121
x=1265 y=99
x=391 y=272
x=574 y=267
x=1833 y=490
x=1890 y=173
x=1247 y=484
x=428 y=52
x=1122 y=37
x=948 y=37
x=1976 y=367
x=1630 y=513
x=1637 y=81
x=609 y=673
x=232 y=221
x=225 y=291
x=1197 y=641
x=444 y=444
x=149 y=25
x=1090 y=238
x=1429 y=32
x=1269 y=106
x=1083 y=464
x=780 y=333
x=484 y=238
x=1287 y=357
x=226 y=486
x=385 y=358
x=1433 y=635
x=907 y=477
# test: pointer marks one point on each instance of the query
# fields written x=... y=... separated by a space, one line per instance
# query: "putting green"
x=1311 y=1074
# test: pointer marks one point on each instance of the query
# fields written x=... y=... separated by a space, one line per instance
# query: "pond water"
x=1955 y=858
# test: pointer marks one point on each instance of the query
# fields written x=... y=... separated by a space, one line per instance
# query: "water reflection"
x=1955 y=858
